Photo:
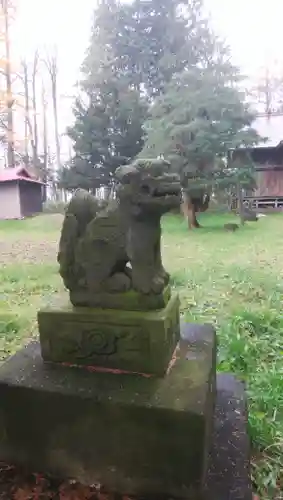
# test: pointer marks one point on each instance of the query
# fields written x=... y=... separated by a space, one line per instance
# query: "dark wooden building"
x=268 y=161
x=20 y=194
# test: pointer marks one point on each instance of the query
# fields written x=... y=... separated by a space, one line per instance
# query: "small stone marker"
x=250 y=216
x=231 y=227
x=115 y=393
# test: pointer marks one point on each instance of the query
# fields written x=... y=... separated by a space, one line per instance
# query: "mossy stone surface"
x=136 y=341
x=133 y=434
x=129 y=301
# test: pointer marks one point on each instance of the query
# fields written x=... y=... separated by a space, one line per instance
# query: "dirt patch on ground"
x=30 y=241
x=30 y=250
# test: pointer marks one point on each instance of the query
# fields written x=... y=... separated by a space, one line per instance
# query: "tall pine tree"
x=108 y=132
x=145 y=41
x=109 y=114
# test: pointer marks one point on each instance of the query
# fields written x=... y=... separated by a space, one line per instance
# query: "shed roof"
x=17 y=174
x=271 y=127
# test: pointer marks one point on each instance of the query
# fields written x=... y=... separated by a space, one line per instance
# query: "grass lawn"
x=234 y=280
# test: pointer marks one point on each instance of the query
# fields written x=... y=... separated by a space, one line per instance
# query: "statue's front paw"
x=119 y=282
x=141 y=281
x=157 y=284
x=147 y=284
x=165 y=276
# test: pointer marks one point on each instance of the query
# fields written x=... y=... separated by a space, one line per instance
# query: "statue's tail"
x=66 y=252
x=82 y=208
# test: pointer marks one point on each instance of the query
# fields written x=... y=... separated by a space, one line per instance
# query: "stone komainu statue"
x=117 y=248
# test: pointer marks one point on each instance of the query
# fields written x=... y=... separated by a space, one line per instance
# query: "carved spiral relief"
x=87 y=342
x=100 y=342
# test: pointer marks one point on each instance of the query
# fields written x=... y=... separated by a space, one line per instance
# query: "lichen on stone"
x=116 y=248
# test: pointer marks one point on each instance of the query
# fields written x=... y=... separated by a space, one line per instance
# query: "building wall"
x=9 y=201
x=269 y=183
x=30 y=198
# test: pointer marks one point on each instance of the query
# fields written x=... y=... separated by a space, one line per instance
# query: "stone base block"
x=229 y=474
x=136 y=341
x=133 y=434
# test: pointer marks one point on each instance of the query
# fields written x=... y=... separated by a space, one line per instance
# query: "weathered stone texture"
x=137 y=341
x=131 y=433
x=111 y=250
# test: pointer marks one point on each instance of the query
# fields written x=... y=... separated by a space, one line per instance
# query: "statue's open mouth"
x=166 y=191
x=162 y=191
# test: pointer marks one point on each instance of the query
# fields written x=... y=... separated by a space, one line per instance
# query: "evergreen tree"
x=149 y=42
x=143 y=51
x=154 y=42
x=108 y=131
x=199 y=119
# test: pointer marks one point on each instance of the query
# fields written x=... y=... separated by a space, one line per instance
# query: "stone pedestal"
x=128 y=340
x=134 y=434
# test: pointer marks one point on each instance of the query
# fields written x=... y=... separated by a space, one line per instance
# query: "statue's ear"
x=126 y=174
x=136 y=210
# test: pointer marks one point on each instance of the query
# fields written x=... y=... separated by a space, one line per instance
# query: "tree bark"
x=31 y=132
x=27 y=114
x=10 y=100
x=192 y=218
x=56 y=126
x=189 y=211
x=34 y=105
x=52 y=67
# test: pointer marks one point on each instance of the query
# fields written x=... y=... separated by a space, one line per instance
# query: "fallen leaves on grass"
x=17 y=484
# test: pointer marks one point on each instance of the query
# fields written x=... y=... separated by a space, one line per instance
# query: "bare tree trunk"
x=34 y=105
x=27 y=116
x=240 y=203
x=10 y=100
x=55 y=111
x=29 y=126
x=189 y=211
x=52 y=67
x=45 y=146
x=267 y=92
x=192 y=218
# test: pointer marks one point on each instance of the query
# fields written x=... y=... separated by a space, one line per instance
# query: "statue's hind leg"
x=106 y=273
x=141 y=240
x=158 y=263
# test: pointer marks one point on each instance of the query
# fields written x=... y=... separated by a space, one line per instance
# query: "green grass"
x=233 y=280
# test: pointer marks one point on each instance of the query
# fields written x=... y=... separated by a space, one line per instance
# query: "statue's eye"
x=126 y=180
x=145 y=189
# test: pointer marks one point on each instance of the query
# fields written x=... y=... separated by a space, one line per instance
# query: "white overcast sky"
x=252 y=28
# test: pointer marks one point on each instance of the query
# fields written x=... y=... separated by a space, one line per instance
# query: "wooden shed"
x=268 y=160
x=20 y=193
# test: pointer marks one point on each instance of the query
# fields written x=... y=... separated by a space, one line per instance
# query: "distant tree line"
x=25 y=89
